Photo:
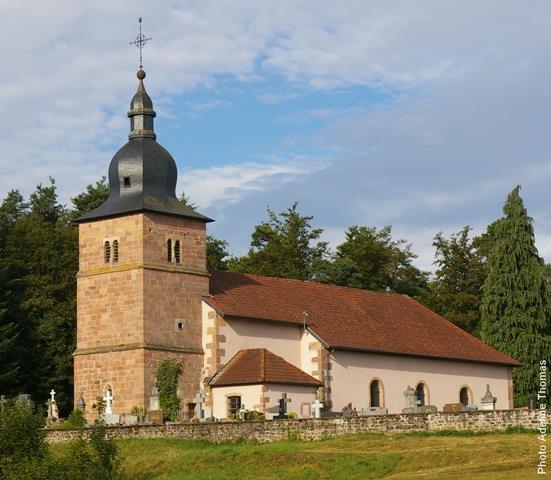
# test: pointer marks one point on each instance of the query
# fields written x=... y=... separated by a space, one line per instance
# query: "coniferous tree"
x=515 y=307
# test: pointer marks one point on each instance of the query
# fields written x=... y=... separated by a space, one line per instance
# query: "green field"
x=504 y=456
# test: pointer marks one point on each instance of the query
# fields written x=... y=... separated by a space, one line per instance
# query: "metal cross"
x=140 y=41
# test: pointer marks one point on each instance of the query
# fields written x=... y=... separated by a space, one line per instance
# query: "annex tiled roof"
x=259 y=365
x=349 y=318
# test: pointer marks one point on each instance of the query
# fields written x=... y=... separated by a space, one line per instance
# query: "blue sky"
x=420 y=115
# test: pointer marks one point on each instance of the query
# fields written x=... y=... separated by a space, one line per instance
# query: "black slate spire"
x=142 y=174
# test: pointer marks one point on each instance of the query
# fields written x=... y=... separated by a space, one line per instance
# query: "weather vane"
x=140 y=41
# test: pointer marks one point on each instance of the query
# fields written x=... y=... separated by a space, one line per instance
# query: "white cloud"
x=226 y=185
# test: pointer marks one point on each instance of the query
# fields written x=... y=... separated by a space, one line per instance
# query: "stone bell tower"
x=142 y=273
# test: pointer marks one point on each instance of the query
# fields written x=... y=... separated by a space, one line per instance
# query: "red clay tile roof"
x=259 y=365
x=349 y=318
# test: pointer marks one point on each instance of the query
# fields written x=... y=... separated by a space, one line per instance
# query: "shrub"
x=24 y=453
x=292 y=415
x=254 y=416
x=167 y=374
x=21 y=434
x=76 y=420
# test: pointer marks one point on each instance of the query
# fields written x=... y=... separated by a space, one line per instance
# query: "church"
x=144 y=294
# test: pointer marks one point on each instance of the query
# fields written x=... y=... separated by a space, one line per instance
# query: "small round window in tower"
x=179 y=325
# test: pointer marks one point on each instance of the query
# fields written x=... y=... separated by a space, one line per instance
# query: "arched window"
x=115 y=251
x=169 y=250
x=177 y=251
x=375 y=394
x=107 y=252
x=420 y=394
x=464 y=396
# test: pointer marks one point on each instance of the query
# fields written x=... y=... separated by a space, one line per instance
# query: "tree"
x=515 y=305
x=217 y=252
x=40 y=260
x=373 y=260
x=92 y=198
x=286 y=246
x=460 y=274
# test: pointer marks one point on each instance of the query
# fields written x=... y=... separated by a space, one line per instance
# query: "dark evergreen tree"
x=460 y=274
x=515 y=306
x=40 y=261
x=285 y=246
x=372 y=259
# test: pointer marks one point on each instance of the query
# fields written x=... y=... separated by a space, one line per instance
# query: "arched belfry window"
x=115 y=251
x=375 y=393
x=177 y=251
x=464 y=396
x=169 y=250
x=420 y=394
x=107 y=252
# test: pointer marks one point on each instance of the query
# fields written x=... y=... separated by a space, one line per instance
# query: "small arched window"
x=177 y=251
x=115 y=251
x=107 y=252
x=420 y=394
x=375 y=394
x=464 y=396
x=169 y=250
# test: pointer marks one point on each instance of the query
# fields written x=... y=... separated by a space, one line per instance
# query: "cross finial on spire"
x=140 y=41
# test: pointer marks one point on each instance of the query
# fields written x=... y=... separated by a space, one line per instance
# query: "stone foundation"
x=316 y=429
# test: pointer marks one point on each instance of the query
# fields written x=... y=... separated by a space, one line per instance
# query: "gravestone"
x=453 y=408
x=112 y=419
x=271 y=413
x=108 y=399
x=282 y=411
x=488 y=401
x=131 y=420
x=53 y=413
x=374 y=411
x=81 y=404
x=199 y=400
x=242 y=414
x=154 y=403
x=24 y=400
x=412 y=405
x=155 y=417
x=317 y=407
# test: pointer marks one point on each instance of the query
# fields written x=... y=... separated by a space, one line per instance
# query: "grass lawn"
x=408 y=456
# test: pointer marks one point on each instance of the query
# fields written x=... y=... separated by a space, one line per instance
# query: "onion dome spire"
x=142 y=174
x=141 y=112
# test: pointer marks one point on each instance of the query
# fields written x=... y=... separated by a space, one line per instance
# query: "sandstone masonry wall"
x=316 y=429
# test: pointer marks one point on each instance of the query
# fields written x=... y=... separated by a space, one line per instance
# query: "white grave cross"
x=317 y=406
x=199 y=399
x=108 y=399
x=52 y=394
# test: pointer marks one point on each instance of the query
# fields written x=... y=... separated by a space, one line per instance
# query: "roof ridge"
x=311 y=282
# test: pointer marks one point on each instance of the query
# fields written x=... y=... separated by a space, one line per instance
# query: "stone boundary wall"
x=316 y=429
